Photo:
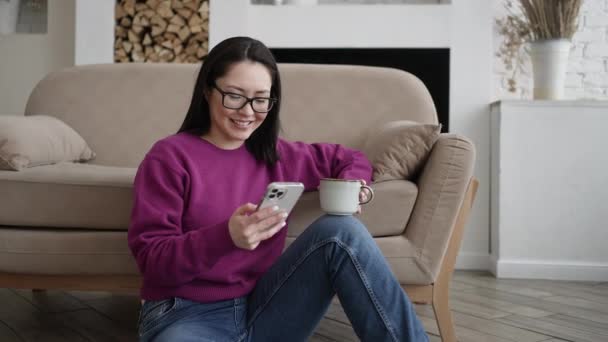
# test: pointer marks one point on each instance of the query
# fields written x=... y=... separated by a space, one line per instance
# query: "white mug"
x=341 y=196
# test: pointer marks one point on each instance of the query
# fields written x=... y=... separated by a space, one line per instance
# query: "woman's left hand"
x=362 y=196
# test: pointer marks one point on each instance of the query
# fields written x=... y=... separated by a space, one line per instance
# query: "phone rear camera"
x=274 y=190
x=271 y=196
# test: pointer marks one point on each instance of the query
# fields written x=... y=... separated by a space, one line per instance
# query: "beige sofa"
x=64 y=225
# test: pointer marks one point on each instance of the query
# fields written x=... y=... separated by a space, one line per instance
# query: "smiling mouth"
x=241 y=123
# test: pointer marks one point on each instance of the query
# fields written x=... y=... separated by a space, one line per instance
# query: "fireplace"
x=432 y=66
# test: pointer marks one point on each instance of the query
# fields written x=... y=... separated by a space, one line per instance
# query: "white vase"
x=9 y=13
x=549 y=65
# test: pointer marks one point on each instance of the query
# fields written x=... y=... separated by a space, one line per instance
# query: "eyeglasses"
x=237 y=101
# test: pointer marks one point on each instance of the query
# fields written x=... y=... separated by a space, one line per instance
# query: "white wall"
x=27 y=58
x=94 y=40
x=470 y=94
x=587 y=75
x=238 y=17
x=395 y=26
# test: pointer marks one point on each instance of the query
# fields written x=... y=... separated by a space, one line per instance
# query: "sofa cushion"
x=386 y=215
x=65 y=251
x=75 y=195
x=27 y=141
x=399 y=149
x=67 y=195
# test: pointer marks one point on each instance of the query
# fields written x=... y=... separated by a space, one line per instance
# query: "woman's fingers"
x=246 y=208
x=268 y=222
x=262 y=214
x=266 y=228
x=259 y=223
x=270 y=232
x=362 y=196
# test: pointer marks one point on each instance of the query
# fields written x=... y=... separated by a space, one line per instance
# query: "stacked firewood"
x=174 y=31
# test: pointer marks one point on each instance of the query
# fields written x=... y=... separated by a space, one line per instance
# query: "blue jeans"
x=335 y=255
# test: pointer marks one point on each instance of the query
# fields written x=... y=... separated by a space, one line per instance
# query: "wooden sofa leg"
x=441 y=288
x=443 y=315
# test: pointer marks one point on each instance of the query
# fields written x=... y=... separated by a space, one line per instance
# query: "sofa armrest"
x=441 y=189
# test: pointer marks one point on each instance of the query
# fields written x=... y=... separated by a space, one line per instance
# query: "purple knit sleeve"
x=308 y=163
x=167 y=256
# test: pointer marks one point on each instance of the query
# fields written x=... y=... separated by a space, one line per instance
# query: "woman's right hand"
x=249 y=227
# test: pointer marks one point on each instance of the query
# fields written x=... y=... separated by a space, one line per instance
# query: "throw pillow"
x=27 y=141
x=399 y=149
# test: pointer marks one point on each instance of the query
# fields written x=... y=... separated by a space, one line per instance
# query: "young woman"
x=213 y=267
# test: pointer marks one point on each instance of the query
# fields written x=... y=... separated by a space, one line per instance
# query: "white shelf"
x=549 y=176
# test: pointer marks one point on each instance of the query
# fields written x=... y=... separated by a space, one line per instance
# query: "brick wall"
x=588 y=66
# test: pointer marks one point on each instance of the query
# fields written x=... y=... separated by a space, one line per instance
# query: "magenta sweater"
x=185 y=191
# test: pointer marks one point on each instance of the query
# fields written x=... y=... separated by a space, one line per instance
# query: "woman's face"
x=231 y=127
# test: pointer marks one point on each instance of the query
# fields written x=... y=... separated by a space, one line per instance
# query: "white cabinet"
x=549 y=189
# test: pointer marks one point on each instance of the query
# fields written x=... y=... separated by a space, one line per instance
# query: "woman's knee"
x=344 y=227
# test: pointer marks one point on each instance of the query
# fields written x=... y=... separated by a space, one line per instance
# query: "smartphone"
x=282 y=194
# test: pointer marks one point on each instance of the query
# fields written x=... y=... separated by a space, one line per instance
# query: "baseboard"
x=473 y=261
x=540 y=269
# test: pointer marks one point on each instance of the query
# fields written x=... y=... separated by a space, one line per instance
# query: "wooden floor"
x=485 y=309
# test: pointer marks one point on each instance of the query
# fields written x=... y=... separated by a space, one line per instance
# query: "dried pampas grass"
x=533 y=20
x=551 y=19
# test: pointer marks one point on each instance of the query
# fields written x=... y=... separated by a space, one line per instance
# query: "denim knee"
x=345 y=228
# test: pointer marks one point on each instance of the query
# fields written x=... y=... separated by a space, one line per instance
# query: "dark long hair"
x=263 y=141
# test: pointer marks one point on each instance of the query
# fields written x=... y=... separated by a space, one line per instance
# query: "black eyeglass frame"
x=249 y=100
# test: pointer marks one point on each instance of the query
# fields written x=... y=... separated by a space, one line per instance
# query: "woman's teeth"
x=241 y=123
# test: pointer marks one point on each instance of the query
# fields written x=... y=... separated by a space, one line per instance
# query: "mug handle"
x=369 y=191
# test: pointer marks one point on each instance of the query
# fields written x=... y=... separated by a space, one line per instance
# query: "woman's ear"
x=207 y=93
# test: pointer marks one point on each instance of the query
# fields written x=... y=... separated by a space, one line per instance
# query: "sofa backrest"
x=122 y=109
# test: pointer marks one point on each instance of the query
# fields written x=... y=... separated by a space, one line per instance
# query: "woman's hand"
x=363 y=196
x=248 y=228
